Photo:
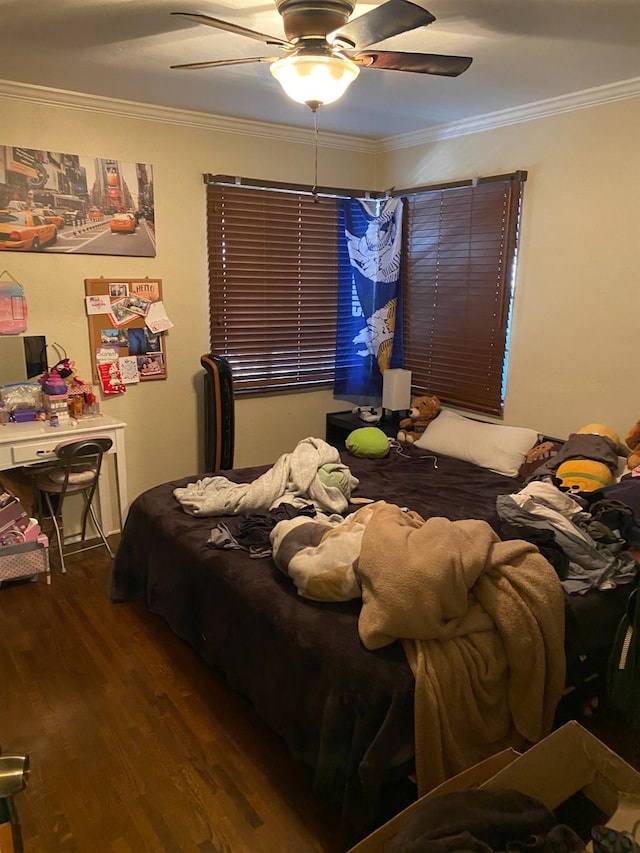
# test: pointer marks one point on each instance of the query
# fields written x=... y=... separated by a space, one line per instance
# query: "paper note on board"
x=148 y=289
x=129 y=369
x=157 y=319
x=105 y=355
x=111 y=379
x=100 y=304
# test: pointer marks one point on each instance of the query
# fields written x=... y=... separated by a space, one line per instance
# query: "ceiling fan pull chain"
x=314 y=188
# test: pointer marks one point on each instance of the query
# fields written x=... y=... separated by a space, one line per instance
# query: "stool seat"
x=56 y=478
x=77 y=471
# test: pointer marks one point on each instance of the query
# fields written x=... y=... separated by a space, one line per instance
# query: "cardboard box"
x=569 y=761
x=473 y=777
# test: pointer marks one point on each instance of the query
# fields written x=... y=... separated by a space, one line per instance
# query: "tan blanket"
x=482 y=624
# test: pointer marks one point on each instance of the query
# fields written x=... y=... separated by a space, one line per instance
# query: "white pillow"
x=500 y=448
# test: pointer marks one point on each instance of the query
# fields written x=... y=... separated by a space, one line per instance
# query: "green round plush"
x=369 y=442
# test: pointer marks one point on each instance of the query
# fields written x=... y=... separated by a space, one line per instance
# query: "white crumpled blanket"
x=293 y=479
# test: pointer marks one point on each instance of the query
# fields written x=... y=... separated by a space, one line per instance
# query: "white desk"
x=29 y=443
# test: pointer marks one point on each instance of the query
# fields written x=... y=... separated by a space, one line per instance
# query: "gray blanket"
x=306 y=475
x=592 y=565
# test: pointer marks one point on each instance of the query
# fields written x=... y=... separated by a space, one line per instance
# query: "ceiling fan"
x=323 y=50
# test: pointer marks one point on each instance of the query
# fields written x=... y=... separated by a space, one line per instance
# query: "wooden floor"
x=135 y=745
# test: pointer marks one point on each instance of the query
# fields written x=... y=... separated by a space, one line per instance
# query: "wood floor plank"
x=135 y=744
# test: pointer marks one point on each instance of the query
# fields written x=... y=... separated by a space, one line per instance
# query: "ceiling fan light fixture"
x=314 y=79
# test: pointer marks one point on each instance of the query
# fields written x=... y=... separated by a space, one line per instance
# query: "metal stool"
x=78 y=471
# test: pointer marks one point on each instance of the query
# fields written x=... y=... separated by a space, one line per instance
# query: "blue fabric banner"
x=369 y=335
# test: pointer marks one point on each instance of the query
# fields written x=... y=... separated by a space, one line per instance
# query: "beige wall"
x=164 y=417
x=575 y=328
x=575 y=335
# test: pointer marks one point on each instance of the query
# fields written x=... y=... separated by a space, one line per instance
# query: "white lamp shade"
x=314 y=79
x=396 y=389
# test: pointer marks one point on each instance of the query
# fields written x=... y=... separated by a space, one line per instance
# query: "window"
x=459 y=267
x=273 y=273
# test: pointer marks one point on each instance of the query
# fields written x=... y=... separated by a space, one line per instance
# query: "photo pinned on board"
x=114 y=337
x=118 y=289
x=119 y=314
x=152 y=366
x=137 y=341
x=153 y=341
x=137 y=304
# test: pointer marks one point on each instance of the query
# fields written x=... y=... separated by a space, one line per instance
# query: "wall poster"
x=55 y=202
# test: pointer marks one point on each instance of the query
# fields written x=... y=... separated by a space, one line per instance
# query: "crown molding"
x=46 y=96
x=10 y=90
x=538 y=109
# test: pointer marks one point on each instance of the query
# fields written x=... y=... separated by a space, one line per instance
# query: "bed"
x=345 y=712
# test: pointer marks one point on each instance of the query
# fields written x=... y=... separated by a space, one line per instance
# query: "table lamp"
x=396 y=391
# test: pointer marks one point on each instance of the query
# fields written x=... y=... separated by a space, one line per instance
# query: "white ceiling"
x=524 y=51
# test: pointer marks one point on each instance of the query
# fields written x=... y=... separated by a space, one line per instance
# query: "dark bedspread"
x=344 y=711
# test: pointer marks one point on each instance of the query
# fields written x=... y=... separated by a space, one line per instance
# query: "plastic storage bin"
x=28 y=559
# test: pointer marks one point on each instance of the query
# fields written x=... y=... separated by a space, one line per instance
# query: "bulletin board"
x=124 y=328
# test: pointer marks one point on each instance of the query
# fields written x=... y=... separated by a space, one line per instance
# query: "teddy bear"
x=423 y=411
x=632 y=440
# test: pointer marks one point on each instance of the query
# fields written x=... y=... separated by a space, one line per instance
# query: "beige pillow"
x=500 y=448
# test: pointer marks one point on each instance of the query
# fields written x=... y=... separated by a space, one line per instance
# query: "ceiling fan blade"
x=232 y=28
x=420 y=63
x=389 y=19
x=217 y=62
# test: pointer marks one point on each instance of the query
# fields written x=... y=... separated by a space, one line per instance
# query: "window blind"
x=273 y=273
x=459 y=265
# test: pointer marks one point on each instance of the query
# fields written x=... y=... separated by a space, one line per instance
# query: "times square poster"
x=54 y=202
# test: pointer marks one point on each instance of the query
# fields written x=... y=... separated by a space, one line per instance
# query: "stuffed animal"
x=423 y=411
x=585 y=472
x=52 y=383
x=600 y=429
x=584 y=475
x=633 y=443
x=66 y=369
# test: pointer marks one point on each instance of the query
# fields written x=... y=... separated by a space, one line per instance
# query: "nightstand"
x=340 y=424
